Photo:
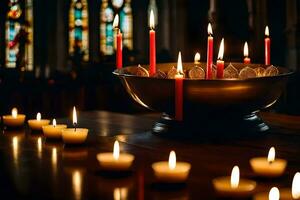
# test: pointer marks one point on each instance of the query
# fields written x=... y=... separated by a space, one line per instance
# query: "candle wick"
x=270 y=162
x=75 y=125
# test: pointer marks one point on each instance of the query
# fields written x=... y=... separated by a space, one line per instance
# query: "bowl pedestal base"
x=214 y=127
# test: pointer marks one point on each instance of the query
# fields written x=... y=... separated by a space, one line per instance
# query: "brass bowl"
x=207 y=100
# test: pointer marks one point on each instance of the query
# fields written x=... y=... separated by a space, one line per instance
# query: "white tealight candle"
x=115 y=161
x=14 y=119
x=74 y=135
x=53 y=131
x=38 y=123
x=268 y=167
x=171 y=171
x=233 y=186
x=274 y=194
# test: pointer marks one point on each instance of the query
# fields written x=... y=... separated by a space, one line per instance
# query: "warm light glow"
x=296 y=186
x=14 y=112
x=179 y=64
x=116 y=21
x=151 y=20
x=172 y=160
x=76 y=181
x=15 y=145
x=235 y=177
x=38 y=116
x=54 y=159
x=267 y=31
x=54 y=122
x=197 y=57
x=116 y=152
x=246 y=50
x=120 y=193
x=271 y=155
x=39 y=144
x=209 y=29
x=274 y=194
x=221 y=50
x=74 y=116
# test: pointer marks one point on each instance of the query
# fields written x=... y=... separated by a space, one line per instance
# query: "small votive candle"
x=268 y=167
x=234 y=186
x=15 y=119
x=115 y=161
x=171 y=171
x=53 y=131
x=38 y=123
x=274 y=194
x=74 y=135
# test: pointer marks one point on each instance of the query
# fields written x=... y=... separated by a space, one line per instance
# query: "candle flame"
x=172 y=160
x=271 y=155
x=116 y=152
x=116 y=21
x=120 y=193
x=296 y=186
x=267 y=33
x=74 y=116
x=246 y=50
x=179 y=64
x=235 y=177
x=209 y=29
x=54 y=122
x=14 y=112
x=221 y=50
x=151 y=20
x=274 y=194
x=197 y=57
x=38 y=116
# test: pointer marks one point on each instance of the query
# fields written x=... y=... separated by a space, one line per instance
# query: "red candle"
x=267 y=47
x=152 y=56
x=179 y=90
x=119 y=58
x=220 y=62
x=247 y=60
x=210 y=41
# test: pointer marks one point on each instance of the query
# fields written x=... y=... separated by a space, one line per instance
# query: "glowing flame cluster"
x=151 y=20
x=296 y=186
x=221 y=50
x=74 y=115
x=38 y=116
x=179 y=64
x=172 y=160
x=235 y=177
x=116 y=151
x=274 y=194
x=271 y=155
x=197 y=57
x=116 y=21
x=14 y=112
x=246 y=50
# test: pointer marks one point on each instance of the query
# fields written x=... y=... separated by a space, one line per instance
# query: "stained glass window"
x=78 y=29
x=108 y=10
x=19 y=35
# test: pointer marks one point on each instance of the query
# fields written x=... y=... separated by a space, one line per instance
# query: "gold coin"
x=260 y=71
x=247 y=72
x=172 y=72
x=141 y=71
x=271 y=71
x=196 y=73
x=231 y=72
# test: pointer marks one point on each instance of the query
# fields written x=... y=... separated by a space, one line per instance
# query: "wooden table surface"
x=50 y=170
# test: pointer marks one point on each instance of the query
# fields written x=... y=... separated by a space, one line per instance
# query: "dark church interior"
x=61 y=58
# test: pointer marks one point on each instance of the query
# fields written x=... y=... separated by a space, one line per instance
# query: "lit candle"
x=220 y=62
x=119 y=57
x=179 y=90
x=273 y=194
x=38 y=123
x=268 y=167
x=74 y=135
x=287 y=193
x=210 y=41
x=267 y=47
x=53 y=131
x=247 y=60
x=115 y=161
x=152 y=56
x=197 y=58
x=171 y=171
x=234 y=186
x=14 y=119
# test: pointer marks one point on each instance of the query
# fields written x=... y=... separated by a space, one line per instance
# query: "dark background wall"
x=182 y=26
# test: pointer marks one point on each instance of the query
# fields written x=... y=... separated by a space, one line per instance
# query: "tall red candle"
x=267 y=47
x=119 y=57
x=220 y=62
x=210 y=41
x=247 y=60
x=152 y=51
x=179 y=90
